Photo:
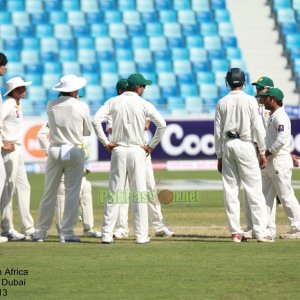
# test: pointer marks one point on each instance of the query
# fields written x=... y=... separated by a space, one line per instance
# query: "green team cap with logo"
x=274 y=92
x=121 y=85
x=137 y=79
x=263 y=82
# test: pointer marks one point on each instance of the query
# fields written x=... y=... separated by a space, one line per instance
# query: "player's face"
x=20 y=92
x=141 y=89
x=268 y=101
x=3 y=70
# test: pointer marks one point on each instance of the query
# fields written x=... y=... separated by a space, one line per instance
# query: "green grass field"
x=201 y=262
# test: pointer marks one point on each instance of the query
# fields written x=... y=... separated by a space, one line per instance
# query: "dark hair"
x=3 y=59
x=64 y=94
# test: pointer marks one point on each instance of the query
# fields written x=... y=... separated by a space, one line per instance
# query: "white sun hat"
x=70 y=83
x=14 y=83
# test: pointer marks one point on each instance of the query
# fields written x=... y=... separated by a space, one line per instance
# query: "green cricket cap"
x=121 y=85
x=274 y=92
x=263 y=82
x=137 y=79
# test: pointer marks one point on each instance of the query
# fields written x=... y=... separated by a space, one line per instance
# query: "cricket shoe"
x=146 y=241
x=120 y=235
x=249 y=234
x=70 y=239
x=29 y=234
x=92 y=233
x=37 y=238
x=3 y=239
x=290 y=235
x=238 y=237
x=14 y=235
x=165 y=232
x=265 y=239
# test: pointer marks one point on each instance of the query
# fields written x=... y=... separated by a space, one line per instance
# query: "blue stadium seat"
x=31 y=56
x=163 y=66
x=154 y=29
x=181 y=4
x=131 y=18
x=223 y=91
x=222 y=15
x=205 y=77
x=13 y=56
x=20 y=18
x=57 y=17
x=52 y=68
x=86 y=56
x=94 y=93
x=49 y=80
x=48 y=56
x=124 y=54
x=136 y=30
x=201 y=66
x=105 y=55
x=187 y=90
x=39 y=18
x=289 y=28
x=37 y=94
x=233 y=52
x=145 y=6
x=167 y=16
x=216 y=54
x=108 y=5
x=172 y=30
x=31 y=43
x=125 y=5
x=67 y=44
x=194 y=41
x=89 y=6
x=229 y=41
x=85 y=43
x=208 y=91
x=219 y=65
x=94 y=17
x=152 y=94
x=280 y=4
x=103 y=43
x=98 y=30
x=175 y=102
x=113 y=17
x=36 y=68
x=220 y=78
x=53 y=5
x=124 y=43
x=182 y=67
x=218 y=4
x=198 y=54
x=67 y=55
x=15 y=5
x=194 y=104
x=238 y=63
x=162 y=54
x=35 y=78
x=126 y=68
x=8 y=31
x=226 y=29
x=140 y=42
x=92 y=78
x=71 y=67
x=12 y=44
x=108 y=67
x=286 y=15
x=33 y=6
x=157 y=43
x=212 y=42
x=5 y=17
x=49 y=44
x=142 y=56
x=186 y=78
x=149 y=17
x=109 y=92
x=117 y=30
x=208 y=29
x=43 y=31
x=163 y=4
x=151 y=76
x=166 y=79
x=200 y=5
x=15 y=69
x=169 y=91
x=204 y=16
x=76 y=18
x=81 y=31
x=90 y=68
x=296 y=4
x=63 y=31
x=190 y=30
x=109 y=80
x=186 y=17
x=27 y=109
x=180 y=54
x=145 y=67
x=70 y=5
x=176 y=42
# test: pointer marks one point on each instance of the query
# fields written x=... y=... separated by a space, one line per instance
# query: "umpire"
x=237 y=122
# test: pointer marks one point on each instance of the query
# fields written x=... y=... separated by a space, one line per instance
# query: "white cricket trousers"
x=73 y=172
x=153 y=205
x=85 y=202
x=127 y=162
x=2 y=175
x=240 y=166
x=278 y=181
x=16 y=182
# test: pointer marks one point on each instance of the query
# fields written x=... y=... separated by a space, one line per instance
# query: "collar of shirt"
x=276 y=112
x=12 y=102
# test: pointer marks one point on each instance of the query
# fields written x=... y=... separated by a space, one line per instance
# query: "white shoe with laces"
x=290 y=235
x=3 y=239
x=165 y=232
x=14 y=235
x=92 y=233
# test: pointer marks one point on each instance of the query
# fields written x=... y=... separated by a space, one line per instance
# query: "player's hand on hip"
x=9 y=146
x=220 y=165
x=296 y=160
x=262 y=161
x=148 y=149
x=110 y=146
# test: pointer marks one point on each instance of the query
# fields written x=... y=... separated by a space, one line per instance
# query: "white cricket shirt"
x=238 y=112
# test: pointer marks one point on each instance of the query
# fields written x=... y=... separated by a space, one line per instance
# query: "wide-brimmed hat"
x=14 y=83
x=70 y=83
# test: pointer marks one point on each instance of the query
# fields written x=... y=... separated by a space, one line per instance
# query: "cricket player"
x=12 y=153
x=279 y=168
x=237 y=125
x=3 y=62
x=69 y=122
x=128 y=112
x=86 y=200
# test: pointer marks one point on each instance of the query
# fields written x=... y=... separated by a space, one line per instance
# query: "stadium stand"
x=184 y=46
